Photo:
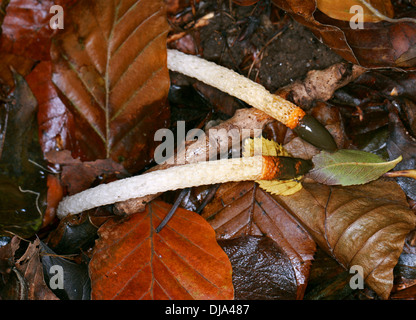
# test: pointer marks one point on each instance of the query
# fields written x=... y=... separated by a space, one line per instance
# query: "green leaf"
x=349 y=167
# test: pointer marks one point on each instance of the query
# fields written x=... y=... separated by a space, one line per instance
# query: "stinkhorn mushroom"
x=220 y=171
x=184 y=176
x=254 y=94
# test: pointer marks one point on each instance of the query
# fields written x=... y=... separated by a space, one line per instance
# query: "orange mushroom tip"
x=312 y=131
x=284 y=168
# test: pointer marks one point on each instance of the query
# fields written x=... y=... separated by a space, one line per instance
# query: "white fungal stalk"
x=235 y=85
x=179 y=177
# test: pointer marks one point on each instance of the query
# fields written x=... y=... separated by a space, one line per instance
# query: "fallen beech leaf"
x=245 y=2
x=261 y=270
x=26 y=30
x=361 y=225
x=241 y=209
x=340 y=9
x=112 y=71
x=378 y=44
x=77 y=176
x=31 y=270
x=76 y=284
x=56 y=123
x=183 y=261
x=349 y=167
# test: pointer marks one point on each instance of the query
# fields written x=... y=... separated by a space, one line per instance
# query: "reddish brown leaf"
x=241 y=209
x=76 y=176
x=54 y=196
x=340 y=9
x=26 y=30
x=380 y=44
x=112 y=72
x=55 y=122
x=361 y=225
x=183 y=261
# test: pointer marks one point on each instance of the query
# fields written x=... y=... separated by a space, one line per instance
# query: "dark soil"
x=285 y=50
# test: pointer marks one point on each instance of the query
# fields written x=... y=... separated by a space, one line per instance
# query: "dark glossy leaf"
x=261 y=270
x=401 y=142
x=22 y=182
x=74 y=234
x=76 y=280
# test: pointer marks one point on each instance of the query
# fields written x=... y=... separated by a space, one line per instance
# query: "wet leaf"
x=26 y=30
x=261 y=270
x=112 y=72
x=76 y=176
x=362 y=225
x=55 y=121
x=182 y=261
x=341 y=9
x=349 y=167
x=243 y=209
x=22 y=184
x=75 y=233
x=378 y=44
x=76 y=281
x=30 y=274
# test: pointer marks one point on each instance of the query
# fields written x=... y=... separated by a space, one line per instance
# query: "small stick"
x=172 y=210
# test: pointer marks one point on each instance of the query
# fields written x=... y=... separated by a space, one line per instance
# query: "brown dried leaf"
x=361 y=225
x=241 y=209
x=110 y=65
x=182 y=261
x=340 y=9
x=77 y=176
x=378 y=44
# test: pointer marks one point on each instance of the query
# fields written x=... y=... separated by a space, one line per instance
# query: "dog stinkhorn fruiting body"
x=253 y=94
x=185 y=176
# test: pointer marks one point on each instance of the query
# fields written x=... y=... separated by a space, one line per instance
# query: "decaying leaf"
x=111 y=70
x=261 y=270
x=340 y=9
x=378 y=44
x=349 y=167
x=55 y=121
x=243 y=209
x=401 y=142
x=75 y=285
x=21 y=182
x=77 y=176
x=360 y=225
x=182 y=261
x=23 y=279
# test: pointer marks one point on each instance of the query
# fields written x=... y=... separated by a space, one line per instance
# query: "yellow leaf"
x=340 y=9
x=280 y=187
x=271 y=148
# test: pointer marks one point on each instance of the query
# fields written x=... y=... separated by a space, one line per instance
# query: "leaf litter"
x=349 y=224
